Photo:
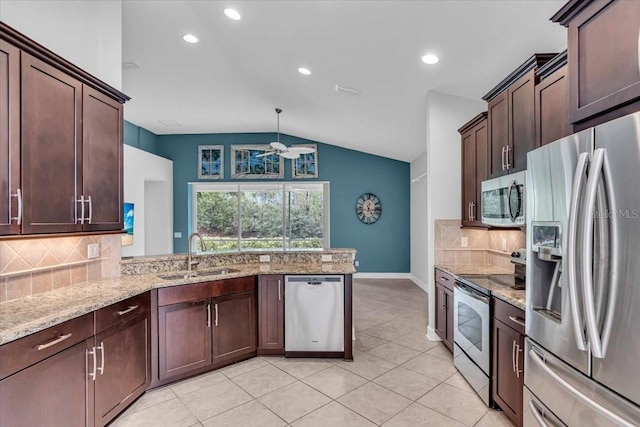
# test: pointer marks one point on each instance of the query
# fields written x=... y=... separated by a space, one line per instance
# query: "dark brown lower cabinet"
x=444 y=307
x=271 y=314
x=54 y=392
x=234 y=325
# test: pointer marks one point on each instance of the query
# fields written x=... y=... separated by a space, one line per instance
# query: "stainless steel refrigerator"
x=582 y=358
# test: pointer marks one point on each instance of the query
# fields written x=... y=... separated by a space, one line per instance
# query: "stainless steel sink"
x=199 y=273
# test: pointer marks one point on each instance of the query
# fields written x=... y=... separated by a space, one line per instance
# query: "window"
x=261 y=216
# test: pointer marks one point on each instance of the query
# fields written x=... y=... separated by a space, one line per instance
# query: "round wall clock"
x=368 y=208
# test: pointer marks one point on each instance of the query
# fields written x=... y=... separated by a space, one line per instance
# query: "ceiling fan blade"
x=302 y=150
x=278 y=146
x=268 y=153
x=289 y=155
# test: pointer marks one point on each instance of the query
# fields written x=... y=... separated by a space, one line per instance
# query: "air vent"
x=130 y=66
x=169 y=122
x=349 y=90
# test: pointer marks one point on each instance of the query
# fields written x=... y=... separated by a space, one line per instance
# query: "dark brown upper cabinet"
x=603 y=57
x=552 y=101
x=61 y=143
x=511 y=118
x=475 y=161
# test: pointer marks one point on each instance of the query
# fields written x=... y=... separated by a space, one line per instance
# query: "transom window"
x=261 y=216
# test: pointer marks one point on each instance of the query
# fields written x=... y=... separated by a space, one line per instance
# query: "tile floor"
x=398 y=378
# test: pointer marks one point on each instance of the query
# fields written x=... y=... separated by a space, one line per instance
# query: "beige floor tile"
x=441 y=351
x=335 y=381
x=333 y=414
x=431 y=366
x=251 y=414
x=416 y=340
x=394 y=353
x=201 y=381
x=418 y=415
x=294 y=401
x=364 y=324
x=264 y=380
x=408 y=383
x=374 y=402
x=301 y=368
x=172 y=413
x=457 y=380
x=455 y=403
x=215 y=399
x=152 y=397
x=386 y=332
x=244 y=367
x=494 y=418
x=366 y=342
x=367 y=366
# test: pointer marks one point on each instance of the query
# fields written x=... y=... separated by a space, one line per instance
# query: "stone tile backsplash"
x=32 y=266
x=485 y=247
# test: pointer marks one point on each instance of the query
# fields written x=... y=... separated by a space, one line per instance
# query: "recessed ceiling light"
x=190 y=38
x=430 y=59
x=304 y=71
x=232 y=14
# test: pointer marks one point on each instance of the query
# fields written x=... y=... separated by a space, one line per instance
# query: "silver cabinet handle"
x=279 y=290
x=90 y=209
x=517 y=359
x=444 y=278
x=18 y=217
x=517 y=320
x=92 y=353
x=81 y=201
x=503 y=162
x=53 y=342
x=208 y=315
x=101 y=348
x=473 y=208
x=615 y=418
x=572 y=239
x=215 y=321
x=507 y=163
x=537 y=414
x=513 y=355
x=128 y=310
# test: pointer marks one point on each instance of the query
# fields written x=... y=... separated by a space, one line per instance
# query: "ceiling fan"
x=282 y=150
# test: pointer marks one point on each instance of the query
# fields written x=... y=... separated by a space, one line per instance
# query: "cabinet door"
x=102 y=160
x=234 y=325
x=469 y=181
x=9 y=137
x=498 y=117
x=184 y=337
x=271 y=314
x=51 y=393
x=482 y=167
x=124 y=349
x=441 y=311
x=552 y=108
x=508 y=345
x=521 y=121
x=604 y=58
x=51 y=149
x=448 y=297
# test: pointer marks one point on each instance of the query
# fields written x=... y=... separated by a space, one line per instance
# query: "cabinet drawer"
x=445 y=278
x=509 y=315
x=186 y=293
x=31 y=349
x=122 y=311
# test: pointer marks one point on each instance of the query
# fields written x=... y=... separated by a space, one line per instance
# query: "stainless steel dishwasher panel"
x=314 y=313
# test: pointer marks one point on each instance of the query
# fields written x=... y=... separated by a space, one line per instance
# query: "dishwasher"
x=314 y=314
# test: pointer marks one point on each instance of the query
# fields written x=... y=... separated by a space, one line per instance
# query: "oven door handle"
x=473 y=294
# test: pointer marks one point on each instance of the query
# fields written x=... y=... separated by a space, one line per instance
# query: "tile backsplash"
x=31 y=266
x=484 y=247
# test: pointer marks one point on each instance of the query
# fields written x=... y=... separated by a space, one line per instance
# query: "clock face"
x=368 y=208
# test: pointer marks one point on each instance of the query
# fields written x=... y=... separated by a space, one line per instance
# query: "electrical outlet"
x=504 y=245
x=265 y=258
x=93 y=250
x=464 y=242
x=327 y=258
x=177 y=235
x=357 y=263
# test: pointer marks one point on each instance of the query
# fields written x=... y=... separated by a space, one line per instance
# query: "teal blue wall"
x=382 y=247
x=139 y=137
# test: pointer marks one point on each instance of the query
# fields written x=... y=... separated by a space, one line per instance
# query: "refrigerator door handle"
x=572 y=236
x=588 y=296
x=537 y=414
x=613 y=417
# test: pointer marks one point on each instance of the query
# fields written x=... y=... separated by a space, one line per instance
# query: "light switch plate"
x=464 y=242
x=93 y=250
x=265 y=258
x=327 y=258
x=357 y=263
x=177 y=235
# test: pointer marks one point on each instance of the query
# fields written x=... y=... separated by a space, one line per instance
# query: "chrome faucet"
x=203 y=247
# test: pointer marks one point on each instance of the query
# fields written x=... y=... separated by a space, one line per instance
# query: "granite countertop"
x=22 y=317
x=512 y=296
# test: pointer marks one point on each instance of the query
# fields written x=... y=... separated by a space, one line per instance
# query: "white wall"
x=445 y=115
x=86 y=33
x=148 y=183
x=419 y=222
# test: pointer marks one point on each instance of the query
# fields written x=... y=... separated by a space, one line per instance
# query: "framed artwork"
x=127 y=237
x=248 y=162
x=210 y=161
x=305 y=166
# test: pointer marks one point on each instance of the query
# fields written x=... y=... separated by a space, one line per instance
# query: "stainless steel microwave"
x=503 y=200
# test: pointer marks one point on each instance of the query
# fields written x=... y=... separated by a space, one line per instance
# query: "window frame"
x=212 y=148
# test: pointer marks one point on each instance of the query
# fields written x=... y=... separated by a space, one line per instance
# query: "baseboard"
x=382 y=276
x=431 y=334
x=419 y=282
